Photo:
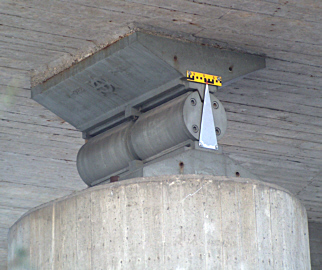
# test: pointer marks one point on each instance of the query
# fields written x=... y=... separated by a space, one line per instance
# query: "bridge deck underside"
x=274 y=115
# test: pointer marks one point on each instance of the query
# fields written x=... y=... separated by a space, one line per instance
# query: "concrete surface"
x=171 y=222
x=274 y=115
x=315 y=232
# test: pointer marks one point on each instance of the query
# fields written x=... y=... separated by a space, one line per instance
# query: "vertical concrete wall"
x=315 y=232
x=172 y=222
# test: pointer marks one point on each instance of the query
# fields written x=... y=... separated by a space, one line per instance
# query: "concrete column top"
x=166 y=222
x=168 y=180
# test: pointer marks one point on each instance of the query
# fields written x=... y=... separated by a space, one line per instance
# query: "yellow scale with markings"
x=203 y=78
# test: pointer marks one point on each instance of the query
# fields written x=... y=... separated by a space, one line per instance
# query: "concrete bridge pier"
x=166 y=222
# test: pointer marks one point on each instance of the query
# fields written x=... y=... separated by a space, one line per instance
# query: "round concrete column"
x=169 y=222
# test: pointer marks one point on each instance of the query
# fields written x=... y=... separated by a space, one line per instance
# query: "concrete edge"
x=169 y=179
x=185 y=37
x=45 y=72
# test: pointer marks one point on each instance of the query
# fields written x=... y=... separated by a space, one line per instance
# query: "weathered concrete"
x=171 y=222
x=274 y=115
x=315 y=231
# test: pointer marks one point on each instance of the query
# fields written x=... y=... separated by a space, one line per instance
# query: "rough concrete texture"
x=274 y=115
x=315 y=231
x=170 y=222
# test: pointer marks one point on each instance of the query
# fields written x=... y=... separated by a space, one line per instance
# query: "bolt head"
x=215 y=104
x=195 y=128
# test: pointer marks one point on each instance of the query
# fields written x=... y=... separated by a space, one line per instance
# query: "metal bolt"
x=114 y=178
x=195 y=128
x=181 y=166
x=218 y=131
x=215 y=104
x=193 y=101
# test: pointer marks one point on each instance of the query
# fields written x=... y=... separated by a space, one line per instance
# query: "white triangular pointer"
x=208 y=138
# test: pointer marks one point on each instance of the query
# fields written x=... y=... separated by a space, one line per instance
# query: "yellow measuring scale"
x=203 y=78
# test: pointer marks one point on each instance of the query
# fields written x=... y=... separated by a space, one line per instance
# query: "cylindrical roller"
x=155 y=131
x=165 y=126
x=105 y=154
